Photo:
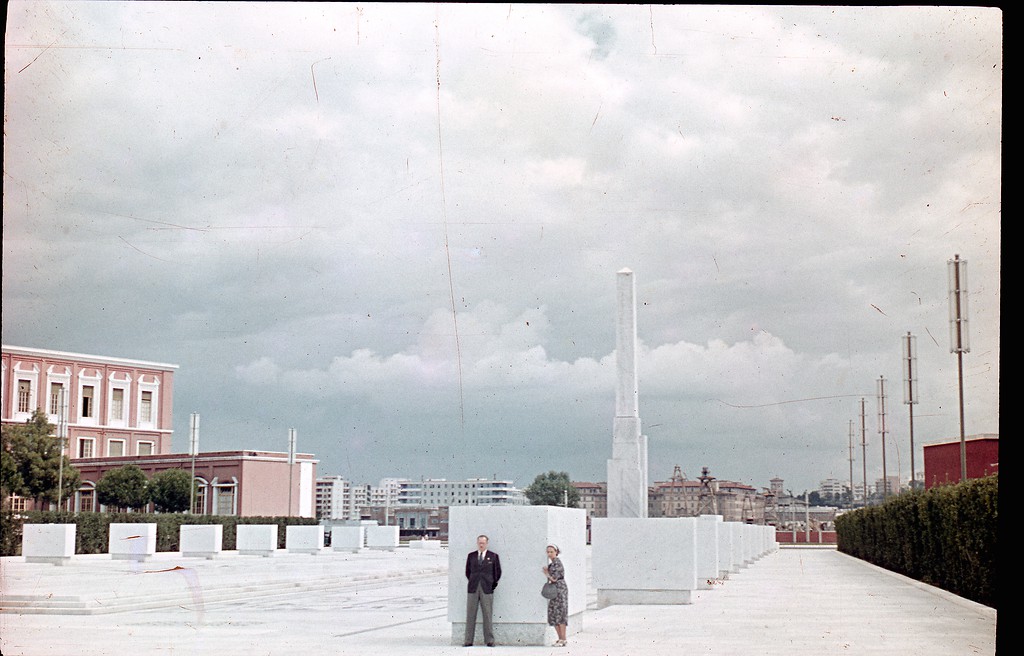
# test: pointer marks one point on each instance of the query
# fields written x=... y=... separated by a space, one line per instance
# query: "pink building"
x=239 y=483
x=115 y=407
x=119 y=412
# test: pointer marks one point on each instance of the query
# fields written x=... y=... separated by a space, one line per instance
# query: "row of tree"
x=33 y=466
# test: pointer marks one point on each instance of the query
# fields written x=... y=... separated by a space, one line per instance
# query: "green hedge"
x=92 y=533
x=945 y=536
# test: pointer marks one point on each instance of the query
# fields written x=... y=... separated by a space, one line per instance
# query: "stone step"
x=213 y=592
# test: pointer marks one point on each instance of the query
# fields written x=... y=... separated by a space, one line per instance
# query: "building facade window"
x=24 y=396
x=199 y=504
x=115 y=448
x=225 y=500
x=88 y=407
x=117 y=404
x=86 y=447
x=146 y=408
x=86 y=499
x=18 y=504
x=144 y=448
x=56 y=390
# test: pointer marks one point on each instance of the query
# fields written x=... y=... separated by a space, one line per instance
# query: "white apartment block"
x=339 y=498
x=470 y=492
x=832 y=486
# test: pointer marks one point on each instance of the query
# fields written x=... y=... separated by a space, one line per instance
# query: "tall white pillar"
x=627 y=468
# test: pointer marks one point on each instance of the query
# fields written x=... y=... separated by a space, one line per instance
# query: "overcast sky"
x=396 y=227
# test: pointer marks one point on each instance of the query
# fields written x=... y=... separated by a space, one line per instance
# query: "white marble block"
x=644 y=560
x=304 y=539
x=48 y=543
x=707 y=551
x=348 y=538
x=132 y=541
x=519 y=535
x=382 y=537
x=736 y=561
x=256 y=539
x=425 y=544
x=201 y=540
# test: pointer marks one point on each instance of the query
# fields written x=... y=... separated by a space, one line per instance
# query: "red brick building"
x=942 y=460
x=239 y=483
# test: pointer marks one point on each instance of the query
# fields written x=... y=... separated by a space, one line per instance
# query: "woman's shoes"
x=559 y=643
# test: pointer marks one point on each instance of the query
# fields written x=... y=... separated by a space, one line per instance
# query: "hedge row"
x=92 y=533
x=945 y=536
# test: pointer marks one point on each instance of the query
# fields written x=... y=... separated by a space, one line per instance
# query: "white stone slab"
x=425 y=544
x=519 y=535
x=201 y=540
x=48 y=543
x=348 y=538
x=644 y=560
x=256 y=539
x=132 y=541
x=707 y=551
x=304 y=539
x=382 y=537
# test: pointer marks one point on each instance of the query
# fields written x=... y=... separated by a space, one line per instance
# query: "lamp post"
x=910 y=392
x=851 y=463
x=959 y=342
x=864 y=452
x=291 y=462
x=62 y=437
x=882 y=431
x=193 y=449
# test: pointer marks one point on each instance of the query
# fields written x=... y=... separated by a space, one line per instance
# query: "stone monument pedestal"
x=639 y=561
x=519 y=535
x=48 y=543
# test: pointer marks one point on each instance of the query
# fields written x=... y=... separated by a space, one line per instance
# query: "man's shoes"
x=490 y=644
x=467 y=644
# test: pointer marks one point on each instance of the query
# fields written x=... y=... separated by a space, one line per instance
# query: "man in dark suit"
x=483 y=569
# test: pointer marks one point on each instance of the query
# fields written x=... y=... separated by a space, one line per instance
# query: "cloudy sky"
x=396 y=227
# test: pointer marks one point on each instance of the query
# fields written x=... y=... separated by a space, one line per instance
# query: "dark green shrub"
x=945 y=536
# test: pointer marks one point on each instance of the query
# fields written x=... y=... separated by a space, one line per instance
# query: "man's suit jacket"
x=483 y=574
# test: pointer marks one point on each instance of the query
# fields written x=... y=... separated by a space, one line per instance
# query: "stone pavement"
x=793 y=602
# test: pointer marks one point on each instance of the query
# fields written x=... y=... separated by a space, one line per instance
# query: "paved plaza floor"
x=792 y=602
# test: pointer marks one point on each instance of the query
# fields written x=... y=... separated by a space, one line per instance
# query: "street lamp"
x=959 y=342
x=193 y=449
x=62 y=436
x=882 y=430
x=910 y=392
x=291 y=462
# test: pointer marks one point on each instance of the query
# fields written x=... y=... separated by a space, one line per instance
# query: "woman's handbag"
x=549 y=591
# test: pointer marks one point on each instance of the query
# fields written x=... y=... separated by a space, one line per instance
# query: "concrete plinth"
x=644 y=560
x=48 y=543
x=132 y=541
x=707 y=551
x=348 y=538
x=308 y=539
x=382 y=537
x=201 y=540
x=256 y=539
x=519 y=535
x=424 y=544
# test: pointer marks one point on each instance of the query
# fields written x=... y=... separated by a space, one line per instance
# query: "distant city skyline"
x=394 y=228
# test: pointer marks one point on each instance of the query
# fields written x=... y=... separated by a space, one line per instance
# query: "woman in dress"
x=558 y=608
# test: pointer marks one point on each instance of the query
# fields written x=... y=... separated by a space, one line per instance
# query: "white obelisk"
x=627 y=469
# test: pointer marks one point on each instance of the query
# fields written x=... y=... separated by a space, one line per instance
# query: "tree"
x=171 y=490
x=123 y=487
x=32 y=459
x=553 y=489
